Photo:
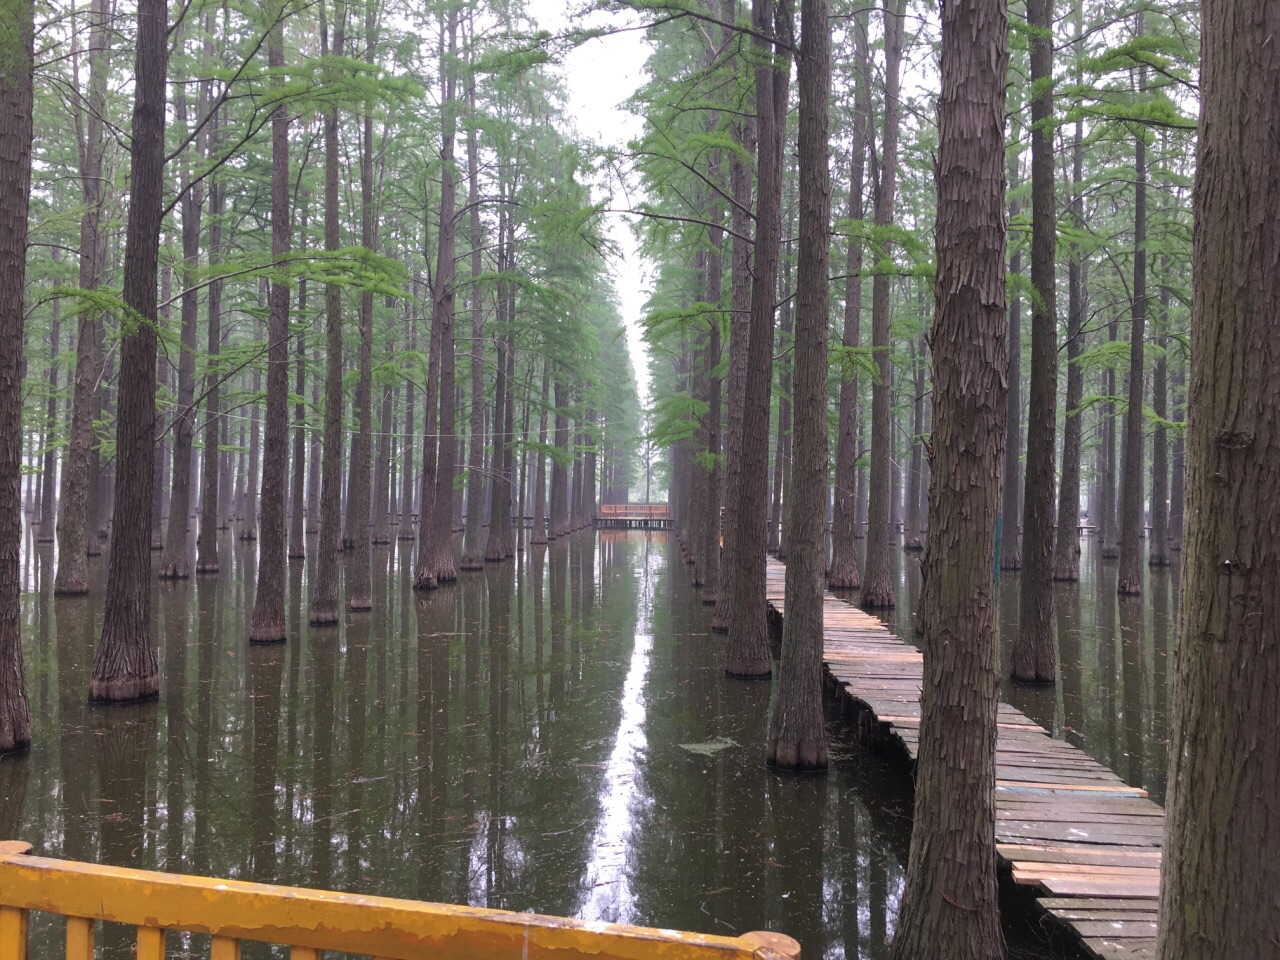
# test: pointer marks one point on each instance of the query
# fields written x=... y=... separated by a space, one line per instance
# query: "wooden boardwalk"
x=1066 y=825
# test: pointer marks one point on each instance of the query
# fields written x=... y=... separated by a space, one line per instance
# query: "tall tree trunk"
x=17 y=38
x=950 y=904
x=440 y=544
x=844 y=573
x=539 y=533
x=314 y=454
x=79 y=470
x=499 y=490
x=1033 y=655
x=1066 y=547
x=324 y=592
x=175 y=559
x=559 y=466
x=383 y=481
x=797 y=737
x=473 y=551
x=252 y=466
x=506 y=539
x=1177 y=464
x=1010 y=513
x=212 y=489
x=50 y=465
x=125 y=665
x=1158 y=551
x=747 y=652
x=710 y=528
x=782 y=445
x=163 y=387
x=1108 y=534
x=423 y=579
x=739 y=336
x=877 y=581
x=359 y=586
x=267 y=622
x=1221 y=858
x=298 y=478
x=914 y=527
x=1133 y=525
x=405 y=530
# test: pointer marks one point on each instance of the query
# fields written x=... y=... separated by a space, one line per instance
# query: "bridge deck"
x=1065 y=824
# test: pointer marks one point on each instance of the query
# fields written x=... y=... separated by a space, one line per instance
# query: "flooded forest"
x=698 y=479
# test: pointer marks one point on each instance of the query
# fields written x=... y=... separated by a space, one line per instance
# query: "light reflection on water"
x=514 y=741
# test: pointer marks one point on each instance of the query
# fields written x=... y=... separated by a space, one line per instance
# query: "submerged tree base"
x=128 y=688
x=323 y=615
x=265 y=634
x=844 y=577
x=808 y=755
x=749 y=669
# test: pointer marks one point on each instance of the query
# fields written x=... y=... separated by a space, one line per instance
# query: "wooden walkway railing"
x=1065 y=824
x=309 y=921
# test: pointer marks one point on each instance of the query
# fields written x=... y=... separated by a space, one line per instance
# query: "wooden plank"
x=1065 y=823
x=1109 y=949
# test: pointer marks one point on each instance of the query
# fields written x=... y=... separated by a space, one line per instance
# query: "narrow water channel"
x=554 y=735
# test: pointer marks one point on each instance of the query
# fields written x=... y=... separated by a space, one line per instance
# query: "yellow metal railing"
x=309 y=921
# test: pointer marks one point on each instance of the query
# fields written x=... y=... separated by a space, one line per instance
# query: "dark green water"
x=554 y=735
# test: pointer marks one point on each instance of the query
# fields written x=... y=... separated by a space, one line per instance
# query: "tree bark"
x=1221 y=858
x=739 y=336
x=1132 y=517
x=539 y=533
x=797 y=737
x=212 y=490
x=50 y=466
x=877 y=581
x=747 y=653
x=440 y=545
x=360 y=570
x=1066 y=547
x=324 y=592
x=298 y=478
x=1033 y=654
x=782 y=444
x=1158 y=551
x=473 y=551
x=559 y=466
x=17 y=67
x=950 y=905
x=79 y=470
x=175 y=558
x=1010 y=511
x=499 y=486
x=267 y=622
x=844 y=573
x=405 y=530
x=124 y=667
x=1107 y=532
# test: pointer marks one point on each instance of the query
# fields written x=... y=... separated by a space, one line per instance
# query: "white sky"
x=599 y=76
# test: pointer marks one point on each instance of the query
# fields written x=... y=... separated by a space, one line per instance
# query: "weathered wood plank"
x=1065 y=823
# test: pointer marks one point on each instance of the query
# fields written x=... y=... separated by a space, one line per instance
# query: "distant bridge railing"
x=648 y=516
x=309 y=921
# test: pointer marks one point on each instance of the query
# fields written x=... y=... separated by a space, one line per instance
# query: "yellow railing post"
x=13 y=934
x=79 y=938
x=225 y=948
x=150 y=943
